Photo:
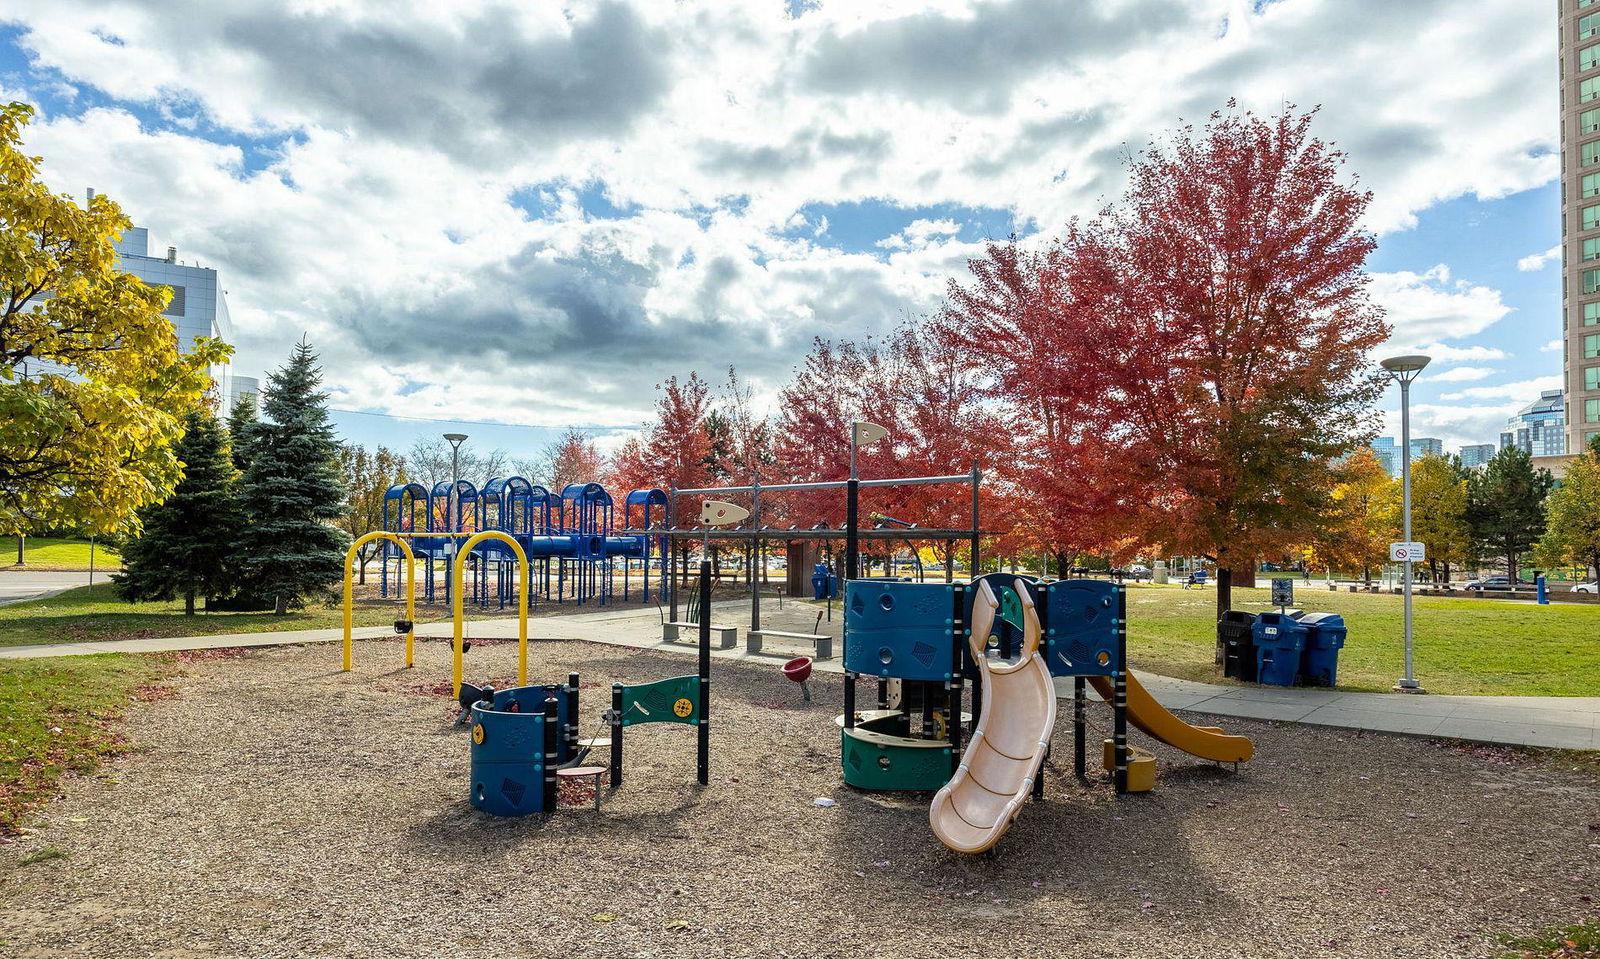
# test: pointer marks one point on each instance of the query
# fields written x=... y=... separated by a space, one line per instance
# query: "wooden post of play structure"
x=705 y=671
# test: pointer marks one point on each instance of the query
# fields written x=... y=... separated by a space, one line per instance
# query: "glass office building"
x=1388 y=451
x=1539 y=428
x=1478 y=454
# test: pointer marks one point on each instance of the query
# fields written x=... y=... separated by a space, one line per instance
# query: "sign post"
x=1283 y=594
x=1406 y=554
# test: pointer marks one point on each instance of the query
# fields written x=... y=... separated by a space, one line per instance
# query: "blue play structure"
x=576 y=540
x=912 y=639
x=520 y=737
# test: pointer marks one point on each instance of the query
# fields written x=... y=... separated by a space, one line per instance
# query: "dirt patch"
x=283 y=808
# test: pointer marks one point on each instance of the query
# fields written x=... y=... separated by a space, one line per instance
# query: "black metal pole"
x=976 y=479
x=572 y=715
x=1119 y=706
x=551 y=796
x=672 y=564
x=883 y=694
x=754 y=558
x=616 y=735
x=705 y=672
x=1038 y=776
x=849 y=700
x=1079 y=729
x=852 y=543
x=953 y=728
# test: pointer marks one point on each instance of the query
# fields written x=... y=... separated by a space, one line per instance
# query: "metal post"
x=616 y=735
x=849 y=700
x=958 y=630
x=551 y=795
x=852 y=505
x=1119 y=704
x=704 y=757
x=1409 y=683
x=977 y=477
x=1080 y=729
x=755 y=557
x=91 y=560
x=572 y=715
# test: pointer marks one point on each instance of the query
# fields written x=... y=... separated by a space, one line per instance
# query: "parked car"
x=1589 y=587
x=1139 y=569
x=1493 y=583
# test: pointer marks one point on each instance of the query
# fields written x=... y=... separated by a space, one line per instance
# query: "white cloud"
x=1554 y=346
x=1430 y=306
x=1461 y=374
x=374 y=163
x=1538 y=261
x=1522 y=392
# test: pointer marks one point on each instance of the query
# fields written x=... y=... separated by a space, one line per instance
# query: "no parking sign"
x=1407 y=553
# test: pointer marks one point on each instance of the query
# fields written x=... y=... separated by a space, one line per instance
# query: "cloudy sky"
x=530 y=213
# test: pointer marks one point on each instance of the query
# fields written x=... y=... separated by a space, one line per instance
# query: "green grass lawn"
x=1462 y=646
x=56 y=554
x=91 y=614
x=56 y=716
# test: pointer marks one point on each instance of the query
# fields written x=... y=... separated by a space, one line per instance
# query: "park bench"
x=756 y=638
x=722 y=637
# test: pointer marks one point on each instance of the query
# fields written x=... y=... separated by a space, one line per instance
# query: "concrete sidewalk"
x=1555 y=722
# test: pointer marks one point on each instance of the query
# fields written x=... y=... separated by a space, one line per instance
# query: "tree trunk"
x=188 y=603
x=281 y=605
x=362 y=558
x=1224 y=590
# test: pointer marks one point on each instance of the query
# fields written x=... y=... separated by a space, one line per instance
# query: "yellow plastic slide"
x=1207 y=742
x=996 y=774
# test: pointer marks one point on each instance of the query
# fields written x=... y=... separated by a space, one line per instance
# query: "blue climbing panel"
x=507 y=761
x=1081 y=627
x=899 y=630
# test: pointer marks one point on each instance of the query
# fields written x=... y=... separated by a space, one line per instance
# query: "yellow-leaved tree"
x=93 y=388
x=1361 y=517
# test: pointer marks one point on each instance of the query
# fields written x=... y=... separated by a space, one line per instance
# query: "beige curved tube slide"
x=996 y=774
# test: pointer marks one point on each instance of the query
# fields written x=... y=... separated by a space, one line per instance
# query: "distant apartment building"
x=1388 y=451
x=1539 y=428
x=1478 y=454
x=199 y=306
x=1579 y=47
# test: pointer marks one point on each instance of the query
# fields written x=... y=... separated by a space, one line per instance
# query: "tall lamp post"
x=861 y=434
x=1405 y=369
x=453 y=504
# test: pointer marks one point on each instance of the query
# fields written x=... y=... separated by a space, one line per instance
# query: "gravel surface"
x=282 y=808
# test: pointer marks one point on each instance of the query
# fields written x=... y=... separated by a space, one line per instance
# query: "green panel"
x=1010 y=606
x=870 y=765
x=675 y=700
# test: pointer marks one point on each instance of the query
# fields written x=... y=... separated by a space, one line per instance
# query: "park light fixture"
x=453 y=503
x=1405 y=369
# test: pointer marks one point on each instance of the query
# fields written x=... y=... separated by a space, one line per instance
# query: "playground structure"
x=574 y=537
x=1010 y=636
x=525 y=737
x=924 y=642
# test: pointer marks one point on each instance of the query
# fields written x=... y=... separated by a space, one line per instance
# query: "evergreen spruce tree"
x=187 y=546
x=1505 y=505
x=240 y=422
x=292 y=488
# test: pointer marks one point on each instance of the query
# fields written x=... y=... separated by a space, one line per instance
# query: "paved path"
x=1557 y=722
x=17 y=585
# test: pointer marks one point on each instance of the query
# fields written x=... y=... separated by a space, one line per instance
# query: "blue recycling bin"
x=1319 y=664
x=824 y=585
x=1280 y=640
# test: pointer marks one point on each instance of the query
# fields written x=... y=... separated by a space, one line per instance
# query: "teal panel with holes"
x=1081 y=627
x=899 y=630
x=884 y=767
